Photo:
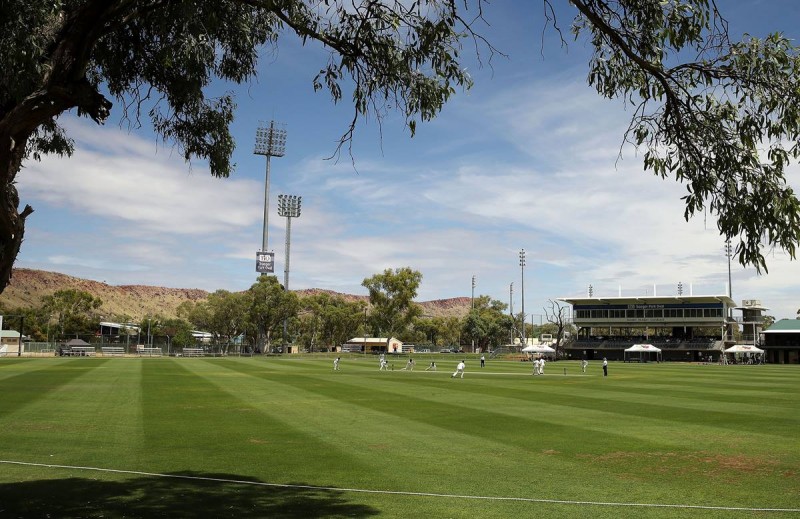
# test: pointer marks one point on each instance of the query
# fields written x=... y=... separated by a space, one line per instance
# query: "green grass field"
x=289 y=437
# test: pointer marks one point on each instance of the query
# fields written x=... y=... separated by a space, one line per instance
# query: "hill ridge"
x=29 y=286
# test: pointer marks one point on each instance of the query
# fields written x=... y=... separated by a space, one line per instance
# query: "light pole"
x=511 y=309
x=729 y=253
x=270 y=142
x=472 y=299
x=288 y=206
x=472 y=302
x=522 y=293
x=365 y=331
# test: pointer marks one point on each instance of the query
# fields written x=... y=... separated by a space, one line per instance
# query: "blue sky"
x=527 y=159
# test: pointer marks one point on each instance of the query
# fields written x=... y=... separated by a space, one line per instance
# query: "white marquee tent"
x=642 y=348
x=738 y=349
x=744 y=348
x=539 y=348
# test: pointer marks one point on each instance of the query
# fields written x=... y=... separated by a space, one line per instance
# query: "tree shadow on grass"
x=172 y=497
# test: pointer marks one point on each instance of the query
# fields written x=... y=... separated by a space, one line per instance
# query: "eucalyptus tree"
x=31 y=321
x=229 y=315
x=391 y=295
x=449 y=330
x=438 y=330
x=719 y=115
x=426 y=330
x=330 y=320
x=197 y=313
x=270 y=305
x=177 y=331
x=487 y=323
x=74 y=310
x=476 y=328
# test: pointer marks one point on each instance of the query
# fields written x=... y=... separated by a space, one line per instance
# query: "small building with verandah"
x=372 y=345
x=782 y=342
x=10 y=343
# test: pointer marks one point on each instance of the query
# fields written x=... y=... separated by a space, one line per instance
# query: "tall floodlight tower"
x=472 y=300
x=522 y=294
x=270 y=142
x=289 y=207
x=472 y=304
x=511 y=309
x=729 y=254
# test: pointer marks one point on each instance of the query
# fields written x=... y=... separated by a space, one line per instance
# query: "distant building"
x=10 y=343
x=752 y=320
x=204 y=337
x=781 y=343
x=114 y=329
x=687 y=328
x=373 y=345
x=109 y=329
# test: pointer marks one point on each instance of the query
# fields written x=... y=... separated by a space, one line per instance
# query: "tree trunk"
x=12 y=221
x=64 y=86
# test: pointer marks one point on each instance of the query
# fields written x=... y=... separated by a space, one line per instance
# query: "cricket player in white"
x=459 y=369
x=336 y=364
x=384 y=365
x=584 y=363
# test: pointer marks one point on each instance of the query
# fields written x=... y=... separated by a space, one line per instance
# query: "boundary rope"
x=407 y=493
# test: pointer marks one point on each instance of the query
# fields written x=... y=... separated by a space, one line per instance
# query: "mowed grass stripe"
x=236 y=425
x=610 y=397
x=22 y=382
x=326 y=423
x=552 y=408
x=693 y=407
x=84 y=411
x=426 y=431
x=390 y=441
x=449 y=454
x=722 y=396
x=615 y=396
x=757 y=378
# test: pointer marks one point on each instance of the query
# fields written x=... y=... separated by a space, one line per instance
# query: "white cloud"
x=127 y=182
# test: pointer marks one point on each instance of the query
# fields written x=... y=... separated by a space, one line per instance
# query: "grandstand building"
x=685 y=328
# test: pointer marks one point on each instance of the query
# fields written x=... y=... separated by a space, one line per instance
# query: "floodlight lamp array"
x=289 y=205
x=270 y=140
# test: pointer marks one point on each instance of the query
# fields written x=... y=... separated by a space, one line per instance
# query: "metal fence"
x=111 y=349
